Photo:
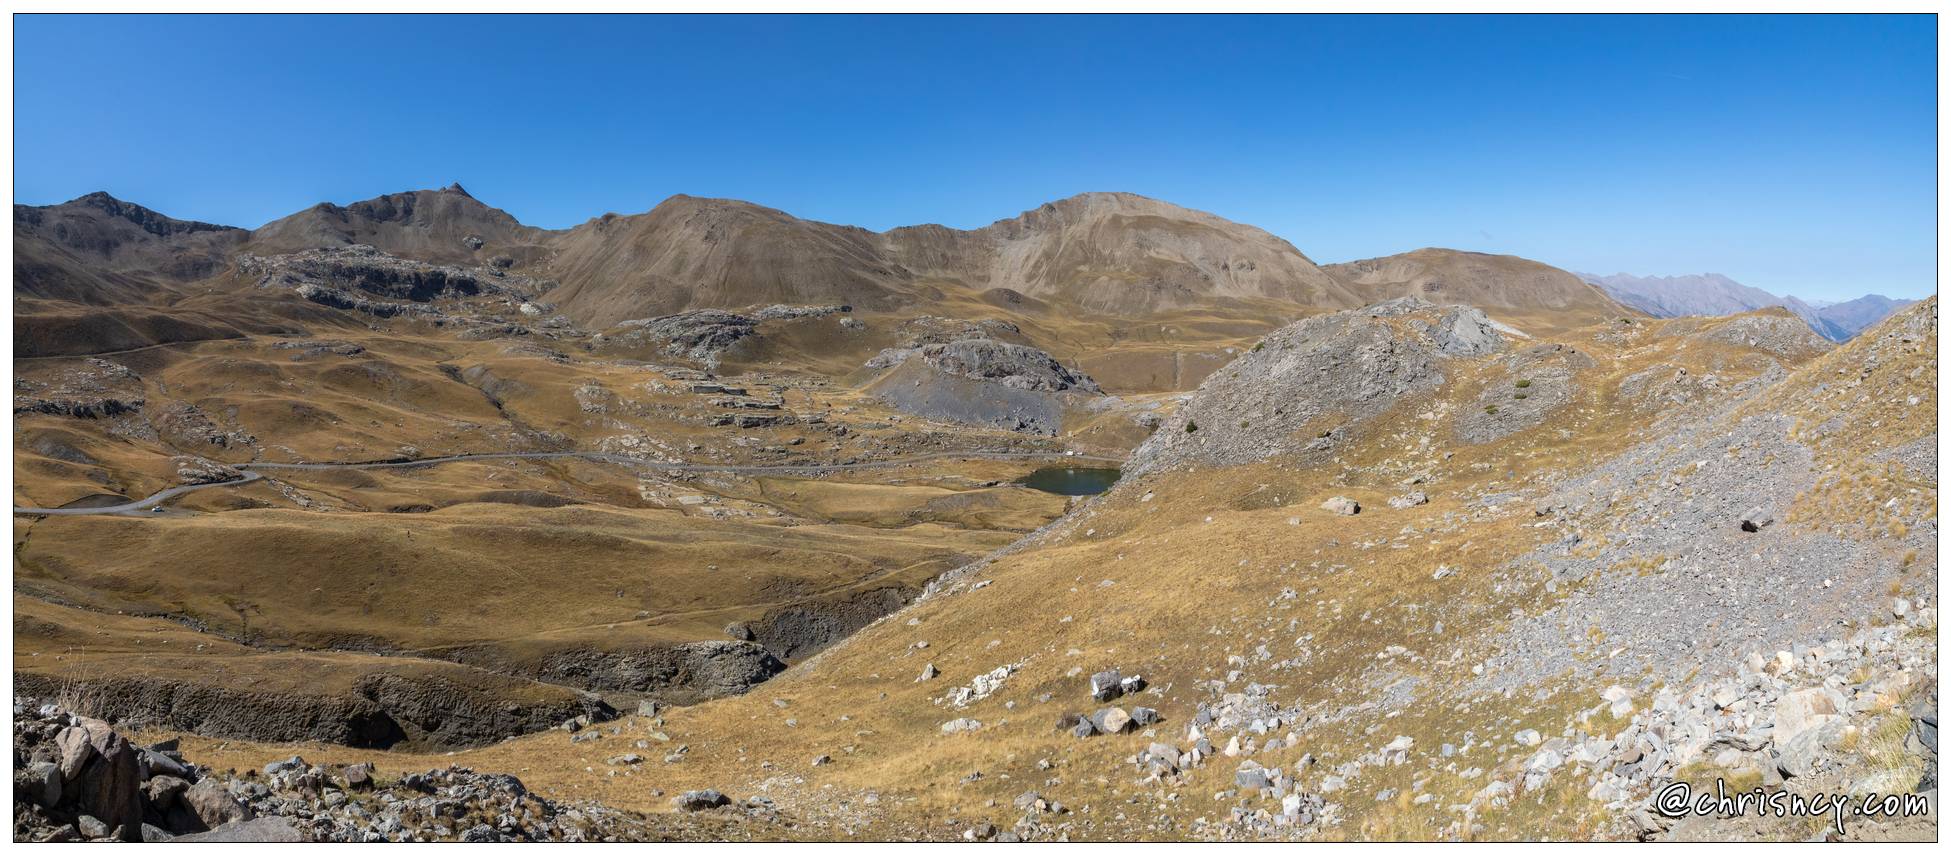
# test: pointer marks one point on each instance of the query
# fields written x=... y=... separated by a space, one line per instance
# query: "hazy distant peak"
x=1717 y=294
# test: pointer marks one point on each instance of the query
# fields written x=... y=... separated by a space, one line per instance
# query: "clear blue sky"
x=1794 y=153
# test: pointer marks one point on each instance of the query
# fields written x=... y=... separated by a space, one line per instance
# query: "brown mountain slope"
x=1120 y=254
x=1505 y=286
x=98 y=274
x=1114 y=254
x=445 y=226
x=690 y=253
x=99 y=250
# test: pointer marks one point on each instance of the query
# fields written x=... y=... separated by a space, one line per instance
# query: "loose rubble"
x=77 y=778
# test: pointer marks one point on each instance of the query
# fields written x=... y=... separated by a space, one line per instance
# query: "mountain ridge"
x=1717 y=294
x=1102 y=253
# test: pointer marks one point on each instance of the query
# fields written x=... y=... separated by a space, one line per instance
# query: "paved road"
x=251 y=471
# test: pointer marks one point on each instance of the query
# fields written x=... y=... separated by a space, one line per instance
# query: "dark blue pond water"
x=1072 y=481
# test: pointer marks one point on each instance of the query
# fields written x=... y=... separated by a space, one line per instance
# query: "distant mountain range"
x=98 y=273
x=1714 y=294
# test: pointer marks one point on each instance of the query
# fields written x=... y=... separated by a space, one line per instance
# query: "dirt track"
x=251 y=473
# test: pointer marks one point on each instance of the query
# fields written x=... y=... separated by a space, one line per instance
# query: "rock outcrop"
x=981 y=382
x=1012 y=365
x=350 y=277
x=1305 y=387
x=95 y=389
x=703 y=336
x=684 y=673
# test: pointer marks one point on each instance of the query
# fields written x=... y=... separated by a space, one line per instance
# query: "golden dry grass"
x=1171 y=588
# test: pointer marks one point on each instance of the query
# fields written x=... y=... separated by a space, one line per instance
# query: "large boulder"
x=1107 y=685
x=1803 y=710
x=1811 y=750
x=164 y=793
x=101 y=775
x=38 y=783
x=1111 y=720
x=213 y=805
x=699 y=800
x=1341 y=505
x=263 y=830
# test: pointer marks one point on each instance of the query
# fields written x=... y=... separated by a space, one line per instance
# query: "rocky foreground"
x=78 y=779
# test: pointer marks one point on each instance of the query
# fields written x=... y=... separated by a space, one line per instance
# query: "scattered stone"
x=1251 y=778
x=1409 y=500
x=1619 y=699
x=1106 y=685
x=958 y=726
x=1111 y=720
x=699 y=800
x=1756 y=519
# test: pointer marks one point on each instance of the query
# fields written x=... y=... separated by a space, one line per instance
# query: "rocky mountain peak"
x=444 y=226
x=152 y=222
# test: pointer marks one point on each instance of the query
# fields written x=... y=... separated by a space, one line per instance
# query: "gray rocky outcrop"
x=702 y=335
x=705 y=336
x=981 y=382
x=685 y=673
x=1525 y=390
x=340 y=272
x=1006 y=363
x=1306 y=386
x=93 y=389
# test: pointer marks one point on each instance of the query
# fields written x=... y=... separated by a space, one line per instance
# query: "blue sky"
x=1793 y=153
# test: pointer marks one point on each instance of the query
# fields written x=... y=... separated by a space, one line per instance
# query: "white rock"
x=957 y=726
x=1341 y=505
x=1802 y=710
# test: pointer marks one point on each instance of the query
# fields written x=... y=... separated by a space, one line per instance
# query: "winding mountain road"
x=251 y=472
